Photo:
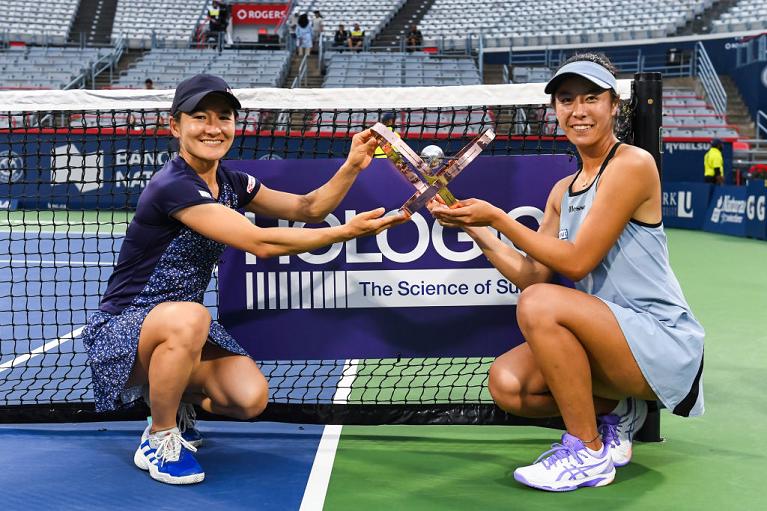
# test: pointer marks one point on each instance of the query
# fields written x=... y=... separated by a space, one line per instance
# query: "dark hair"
x=303 y=21
x=597 y=58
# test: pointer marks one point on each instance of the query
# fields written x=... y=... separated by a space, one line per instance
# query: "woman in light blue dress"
x=625 y=334
x=304 y=35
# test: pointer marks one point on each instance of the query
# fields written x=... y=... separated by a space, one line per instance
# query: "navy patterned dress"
x=161 y=260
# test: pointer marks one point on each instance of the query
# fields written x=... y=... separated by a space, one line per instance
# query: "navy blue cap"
x=591 y=71
x=715 y=142
x=387 y=117
x=191 y=91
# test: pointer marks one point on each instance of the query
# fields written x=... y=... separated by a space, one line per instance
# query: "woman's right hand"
x=372 y=222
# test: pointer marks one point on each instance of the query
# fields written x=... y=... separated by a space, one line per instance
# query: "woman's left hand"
x=363 y=148
x=469 y=212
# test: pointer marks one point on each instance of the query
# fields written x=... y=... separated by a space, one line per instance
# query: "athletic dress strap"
x=599 y=174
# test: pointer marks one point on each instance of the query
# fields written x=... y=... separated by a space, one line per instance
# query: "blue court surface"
x=262 y=466
x=50 y=282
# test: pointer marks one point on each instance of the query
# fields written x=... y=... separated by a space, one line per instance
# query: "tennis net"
x=73 y=164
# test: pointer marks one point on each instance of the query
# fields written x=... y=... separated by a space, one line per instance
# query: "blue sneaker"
x=568 y=466
x=168 y=458
x=618 y=429
x=187 y=418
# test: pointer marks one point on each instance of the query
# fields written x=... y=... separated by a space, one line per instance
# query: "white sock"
x=156 y=437
x=597 y=454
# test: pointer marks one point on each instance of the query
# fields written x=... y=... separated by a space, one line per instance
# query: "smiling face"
x=584 y=111
x=206 y=134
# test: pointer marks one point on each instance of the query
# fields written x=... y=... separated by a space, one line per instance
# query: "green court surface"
x=64 y=221
x=713 y=462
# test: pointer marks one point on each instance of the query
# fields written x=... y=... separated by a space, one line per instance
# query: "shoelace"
x=187 y=417
x=609 y=433
x=169 y=448
x=557 y=453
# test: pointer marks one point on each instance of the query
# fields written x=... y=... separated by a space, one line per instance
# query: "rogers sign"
x=259 y=14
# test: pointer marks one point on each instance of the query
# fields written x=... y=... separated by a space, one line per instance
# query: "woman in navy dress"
x=152 y=329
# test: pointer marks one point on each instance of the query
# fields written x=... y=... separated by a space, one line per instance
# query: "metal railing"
x=107 y=62
x=300 y=79
x=709 y=79
x=761 y=125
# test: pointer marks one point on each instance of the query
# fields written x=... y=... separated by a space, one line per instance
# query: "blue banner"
x=685 y=204
x=756 y=202
x=415 y=290
x=727 y=211
x=683 y=161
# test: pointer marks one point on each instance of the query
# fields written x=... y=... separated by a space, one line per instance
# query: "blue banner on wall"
x=415 y=290
x=727 y=211
x=685 y=204
x=756 y=203
x=683 y=161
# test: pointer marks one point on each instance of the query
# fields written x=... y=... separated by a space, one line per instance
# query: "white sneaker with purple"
x=619 y=427
x=568 y=466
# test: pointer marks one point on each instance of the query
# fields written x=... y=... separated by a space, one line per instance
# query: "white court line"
x=317 y=486
x=42 y=349
x=55 y=262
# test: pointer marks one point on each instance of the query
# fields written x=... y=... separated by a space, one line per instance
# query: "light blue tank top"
x=636 y=276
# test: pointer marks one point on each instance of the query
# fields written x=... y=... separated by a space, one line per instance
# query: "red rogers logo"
x=259 y=14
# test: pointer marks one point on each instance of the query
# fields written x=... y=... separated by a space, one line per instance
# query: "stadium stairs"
x=389 y=38
x=492 y=73
x=128 y=58
x=701 y=24
x=737 y=111
x=94 y=19
x=313 y=75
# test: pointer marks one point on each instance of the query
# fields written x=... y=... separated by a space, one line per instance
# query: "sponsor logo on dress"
x=563 y=234
x=251 y=183
x=205 y=194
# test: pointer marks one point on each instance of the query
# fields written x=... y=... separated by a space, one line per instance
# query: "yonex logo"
x=11 y=167
x=575 y=209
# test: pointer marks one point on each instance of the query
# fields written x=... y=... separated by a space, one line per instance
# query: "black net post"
x=647 y=89
x=648 y=113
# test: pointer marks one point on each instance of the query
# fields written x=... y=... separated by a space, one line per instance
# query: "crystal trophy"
x=431 y=173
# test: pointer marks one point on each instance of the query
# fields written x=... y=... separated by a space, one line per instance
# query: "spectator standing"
x=304 y=35
x=713 y=163
x=292 y=25
x=317 y=28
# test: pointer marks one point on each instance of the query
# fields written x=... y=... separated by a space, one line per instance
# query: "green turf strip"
x=64 y=221
x=714 y=462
